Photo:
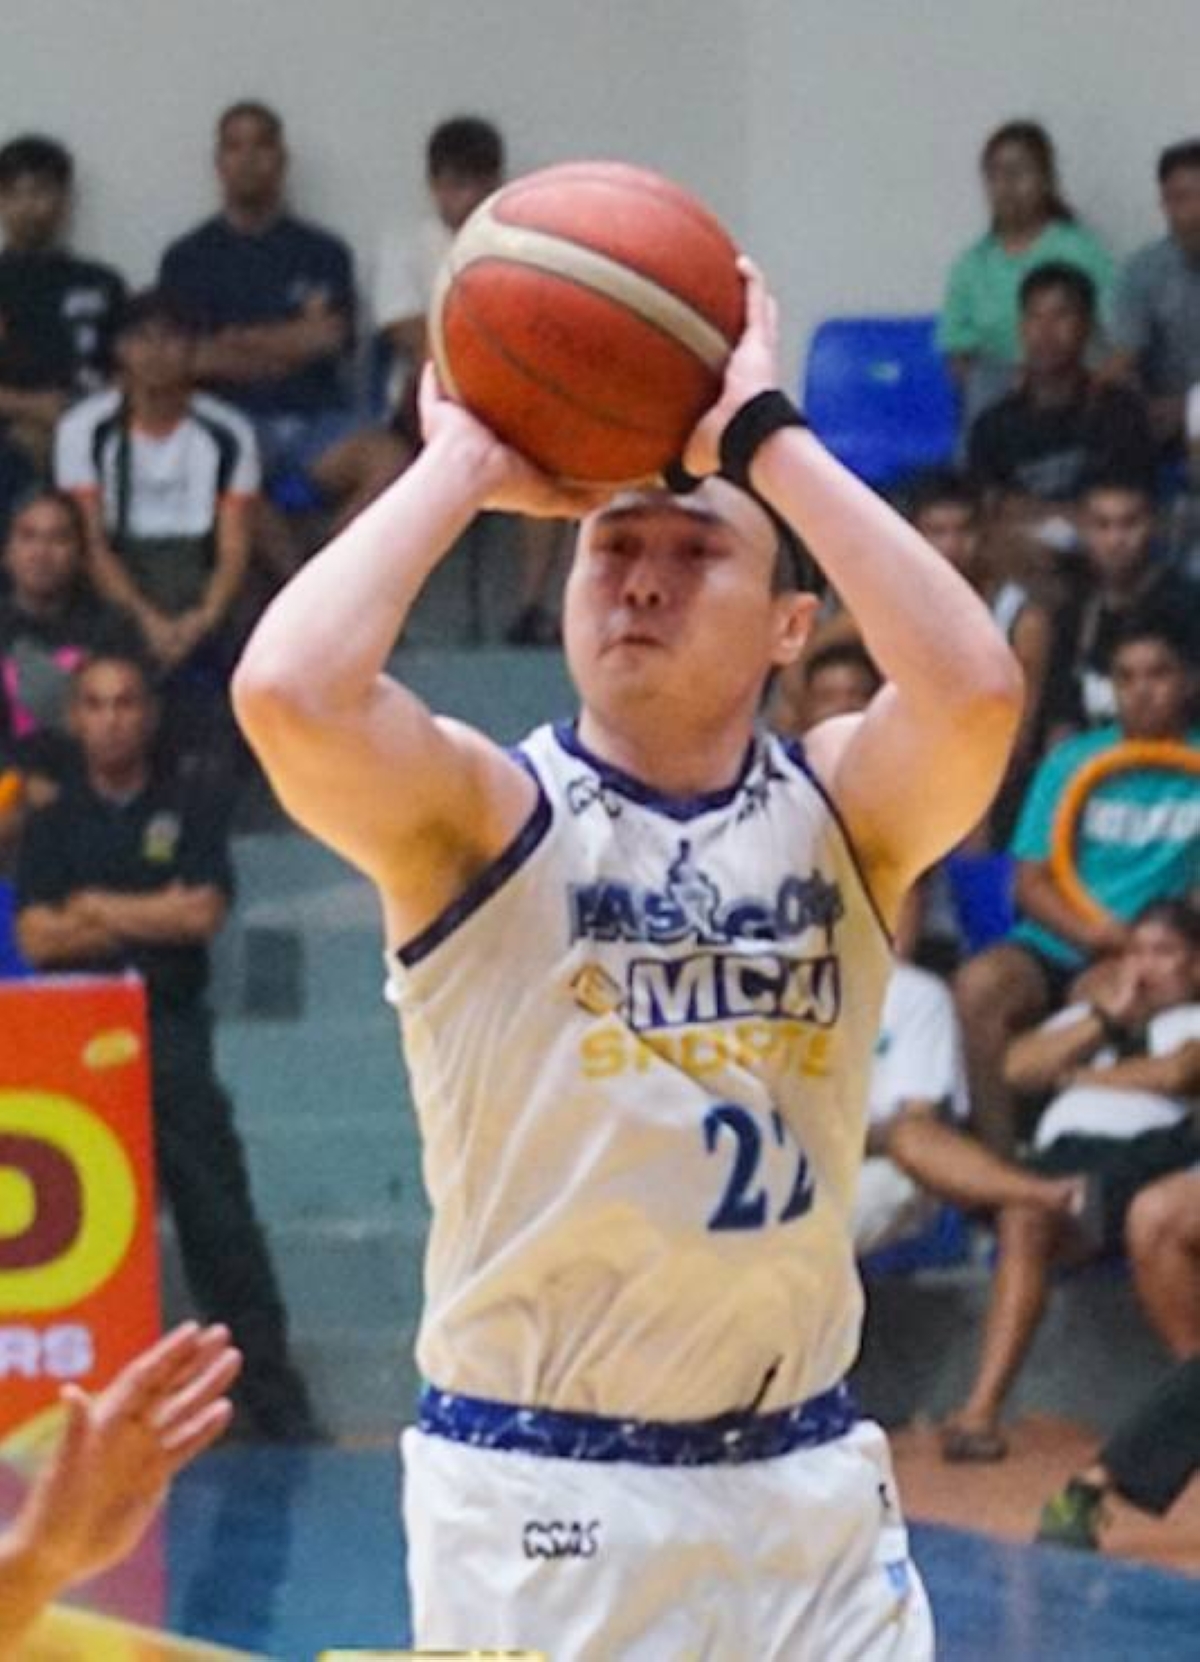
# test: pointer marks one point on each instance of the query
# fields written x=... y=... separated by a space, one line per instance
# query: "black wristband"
x=753 y=424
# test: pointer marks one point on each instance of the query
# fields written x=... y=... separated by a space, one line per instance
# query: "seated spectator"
x=274 y=298
x=1038 y=444
x=56 y=311
x=109 y=1473
x=837 y=679
x=1127 y=1073
x=464 y=163
x=1156 y=334
x=129 y=871
x=946 y=508
x=49 y=622
x=1148 y=1460
x=167 y=478
x=1123 y=576
x=1031 y=225
x=1138 y=841
x=916 y=1155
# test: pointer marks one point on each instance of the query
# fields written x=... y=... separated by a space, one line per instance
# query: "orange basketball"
x=585 y=313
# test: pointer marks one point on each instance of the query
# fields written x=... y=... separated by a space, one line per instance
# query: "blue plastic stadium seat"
x=878 y=394
x=981 y=887
x=12 y=966
x=942 y=1244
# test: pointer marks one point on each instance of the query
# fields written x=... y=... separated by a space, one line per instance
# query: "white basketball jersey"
x=639 y=1051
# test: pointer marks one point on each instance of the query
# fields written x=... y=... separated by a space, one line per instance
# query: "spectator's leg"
x=1163 y=1235
x=203 y=1171
x=955 y=1166
x=353 y=470
x=1152 y=1455
x=1029 y=1238
x=999 y=993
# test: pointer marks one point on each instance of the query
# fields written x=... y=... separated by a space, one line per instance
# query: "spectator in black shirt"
x=57 y=311
x=126 y=871
x=1038 y=445
x=1125 y=576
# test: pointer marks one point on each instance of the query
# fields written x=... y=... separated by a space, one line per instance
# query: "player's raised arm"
x=414 y=800
x=916 y=771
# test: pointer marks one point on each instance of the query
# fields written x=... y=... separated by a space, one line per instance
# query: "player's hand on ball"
x=513 y=485
x=753 y=367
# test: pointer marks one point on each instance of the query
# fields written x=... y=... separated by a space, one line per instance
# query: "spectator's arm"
x=41 y=407
x=266 y=351
x=1032 y=640
x=179 y=915
x=1176 y=1074
x=408 y=337
x=53 y=936
x=879 y=1136
x=233 y=539
x=1039 y=897
x=1040 y=1060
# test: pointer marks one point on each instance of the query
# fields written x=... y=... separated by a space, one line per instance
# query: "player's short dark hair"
x=157 y=305
x=257 y=111
x=35 y=153
x=940 y=487
x=1068 y=279
x=841 y=655
x=467 y=145
x=1177 y=914
x=1178 y=156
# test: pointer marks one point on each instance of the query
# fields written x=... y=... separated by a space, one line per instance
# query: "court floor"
x=283 y=1553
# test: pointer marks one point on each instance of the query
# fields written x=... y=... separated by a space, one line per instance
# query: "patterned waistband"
x=725 y=1440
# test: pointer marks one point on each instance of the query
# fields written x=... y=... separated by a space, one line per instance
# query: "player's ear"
x=795 y=615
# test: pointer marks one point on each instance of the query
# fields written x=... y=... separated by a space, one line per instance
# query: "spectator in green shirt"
x=1031 y=225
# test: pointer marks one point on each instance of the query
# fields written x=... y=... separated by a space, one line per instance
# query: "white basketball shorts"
x=798 y=1558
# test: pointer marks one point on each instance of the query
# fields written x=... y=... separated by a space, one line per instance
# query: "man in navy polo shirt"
x=275 y=299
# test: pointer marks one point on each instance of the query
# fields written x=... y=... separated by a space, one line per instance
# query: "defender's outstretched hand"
x=108 y=1476
x=753 y=367
x=515 y=485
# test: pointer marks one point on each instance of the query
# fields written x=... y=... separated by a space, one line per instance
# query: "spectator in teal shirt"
x=1138 y=841
x=1031 y=225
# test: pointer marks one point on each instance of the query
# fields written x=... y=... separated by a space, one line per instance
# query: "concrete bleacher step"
x=1093 y=1358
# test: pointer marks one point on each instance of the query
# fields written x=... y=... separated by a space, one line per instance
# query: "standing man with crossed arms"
x=639 y=966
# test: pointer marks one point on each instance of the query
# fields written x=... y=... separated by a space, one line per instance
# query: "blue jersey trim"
x=673 y=807
x=725 y=1440
x=794 y=751
x=491 y=879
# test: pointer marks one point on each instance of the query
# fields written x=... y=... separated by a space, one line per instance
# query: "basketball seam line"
x=545 y=251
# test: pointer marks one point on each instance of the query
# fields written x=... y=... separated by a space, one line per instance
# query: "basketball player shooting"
x=639 y=964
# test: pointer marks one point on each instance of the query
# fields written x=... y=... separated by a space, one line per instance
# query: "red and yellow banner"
x=78 y=1253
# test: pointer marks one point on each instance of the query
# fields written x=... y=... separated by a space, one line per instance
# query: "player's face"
x=1054 y=332
x=251 y=161
x=156 y=357
x=112 y=716
x=1152 y=689
x=33 y=210
x=1181 y=205
x=457 y=195
x=953 y=529
x=1118 y=530
x=42 y=553
x=1166 y=965
x=670 y=600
